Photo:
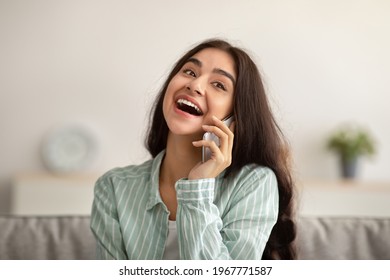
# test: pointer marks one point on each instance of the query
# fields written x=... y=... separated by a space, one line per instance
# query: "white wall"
x=101 y=63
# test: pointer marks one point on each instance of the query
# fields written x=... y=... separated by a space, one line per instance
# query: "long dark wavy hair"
x=257 y=139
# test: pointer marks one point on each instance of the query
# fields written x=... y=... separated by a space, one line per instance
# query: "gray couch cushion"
x=319 y=238
x=343 y=238
x=49 y=238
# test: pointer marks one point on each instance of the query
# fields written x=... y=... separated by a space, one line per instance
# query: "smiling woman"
x=236 y=205
x=205 y=85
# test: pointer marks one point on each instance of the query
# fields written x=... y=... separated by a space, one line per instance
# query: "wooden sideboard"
x=343 y=198
x=48 y=194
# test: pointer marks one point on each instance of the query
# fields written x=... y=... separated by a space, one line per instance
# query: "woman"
x=235 y=205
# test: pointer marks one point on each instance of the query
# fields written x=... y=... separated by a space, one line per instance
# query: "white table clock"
x=69 y=149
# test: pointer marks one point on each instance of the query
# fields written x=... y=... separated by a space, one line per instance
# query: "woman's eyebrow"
x=226 y=74
x=198 y=63
x=195 y=61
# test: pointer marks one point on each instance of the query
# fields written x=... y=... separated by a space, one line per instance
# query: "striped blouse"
x=218 y=218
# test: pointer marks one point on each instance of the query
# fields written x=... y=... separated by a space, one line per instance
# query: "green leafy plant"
x=351 y=142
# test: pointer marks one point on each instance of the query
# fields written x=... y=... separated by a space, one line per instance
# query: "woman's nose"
x=196 y=87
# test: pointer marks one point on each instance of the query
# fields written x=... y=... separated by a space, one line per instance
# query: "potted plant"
x=351 y=143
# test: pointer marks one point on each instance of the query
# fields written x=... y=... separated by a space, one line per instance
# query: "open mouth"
x=188 y=107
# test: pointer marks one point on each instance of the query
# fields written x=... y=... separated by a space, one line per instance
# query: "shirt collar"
x=154 y=196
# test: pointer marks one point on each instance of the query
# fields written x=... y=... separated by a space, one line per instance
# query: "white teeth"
x=189 y=103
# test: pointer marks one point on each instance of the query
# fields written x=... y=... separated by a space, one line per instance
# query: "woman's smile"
x=187 y=105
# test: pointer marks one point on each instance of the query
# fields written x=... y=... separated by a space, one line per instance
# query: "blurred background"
x=78 y=78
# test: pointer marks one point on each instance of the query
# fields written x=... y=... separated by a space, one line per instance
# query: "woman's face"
x=203 y=87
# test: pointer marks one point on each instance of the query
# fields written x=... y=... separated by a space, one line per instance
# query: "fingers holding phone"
x=221 y=134
x=217 y=146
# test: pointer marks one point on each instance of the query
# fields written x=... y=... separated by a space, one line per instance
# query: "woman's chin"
x=186 y=132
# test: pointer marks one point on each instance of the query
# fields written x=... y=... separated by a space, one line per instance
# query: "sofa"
x=70 y=238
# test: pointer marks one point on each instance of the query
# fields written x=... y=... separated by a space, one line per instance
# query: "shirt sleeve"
x=241 y=232
x=105 y=223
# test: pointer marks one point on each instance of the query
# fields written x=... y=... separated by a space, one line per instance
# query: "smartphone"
x=206 y=152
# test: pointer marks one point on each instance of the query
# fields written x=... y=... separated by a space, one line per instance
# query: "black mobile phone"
x=206 y=152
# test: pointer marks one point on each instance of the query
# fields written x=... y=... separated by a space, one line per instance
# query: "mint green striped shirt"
x=216 y=218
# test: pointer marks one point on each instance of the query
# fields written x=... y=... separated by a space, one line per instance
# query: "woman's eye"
x=189 y=72
x=220 y=85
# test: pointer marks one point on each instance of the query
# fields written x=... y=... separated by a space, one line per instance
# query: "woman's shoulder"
x=252 y=182
x=256 y=172
x=253 y=177
x=250 y=177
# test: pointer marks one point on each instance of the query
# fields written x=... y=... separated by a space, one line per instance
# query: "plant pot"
x=349 y=168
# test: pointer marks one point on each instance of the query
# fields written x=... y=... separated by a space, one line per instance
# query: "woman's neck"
x=180 y=157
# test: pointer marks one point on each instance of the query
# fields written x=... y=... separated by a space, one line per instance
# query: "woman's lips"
x=189 y=106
